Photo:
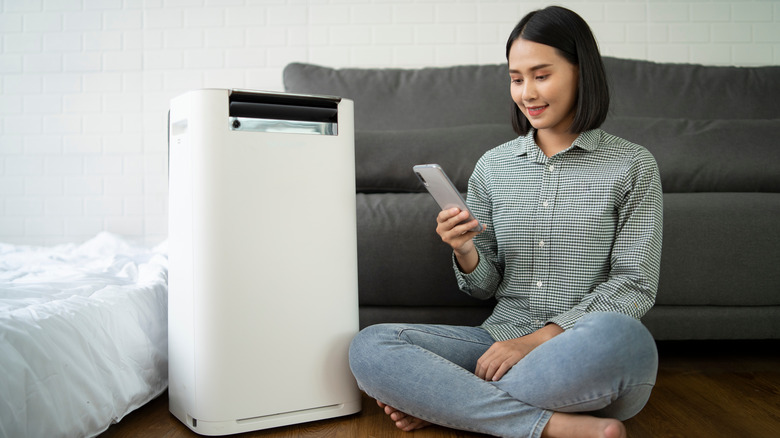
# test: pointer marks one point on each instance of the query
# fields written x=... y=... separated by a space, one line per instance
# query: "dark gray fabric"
x=701 y=231
x=468 y=316
x=401 y=259
x=713 y=131
x=713 y=322
x=384 y=159
x=664 y=322
x=720 y=249
x=650 y=89
x=708 y=155
x=692 y=155
x=387 y=99
x=466 y=95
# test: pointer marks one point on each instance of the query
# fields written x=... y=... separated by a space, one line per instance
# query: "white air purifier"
x=263 y=296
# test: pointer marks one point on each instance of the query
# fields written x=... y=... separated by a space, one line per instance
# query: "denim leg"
x=438 y=362
x=605 y=365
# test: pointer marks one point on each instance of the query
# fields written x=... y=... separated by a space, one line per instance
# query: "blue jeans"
x=605 y=365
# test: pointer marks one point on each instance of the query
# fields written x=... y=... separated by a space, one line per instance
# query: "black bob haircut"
x=570 y=35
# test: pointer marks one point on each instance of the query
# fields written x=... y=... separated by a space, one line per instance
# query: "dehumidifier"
x=262 y=259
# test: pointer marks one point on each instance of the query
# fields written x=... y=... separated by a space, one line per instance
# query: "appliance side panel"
x=180 y=255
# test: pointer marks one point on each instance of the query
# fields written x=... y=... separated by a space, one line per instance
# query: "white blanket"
x=83 y=335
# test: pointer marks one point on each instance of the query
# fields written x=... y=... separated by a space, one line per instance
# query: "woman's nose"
x=529 y=91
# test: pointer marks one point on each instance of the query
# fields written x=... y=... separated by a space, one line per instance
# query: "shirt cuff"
x=566 y=320
x=473 y=280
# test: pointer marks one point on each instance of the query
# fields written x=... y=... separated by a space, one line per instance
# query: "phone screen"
x=441 y=188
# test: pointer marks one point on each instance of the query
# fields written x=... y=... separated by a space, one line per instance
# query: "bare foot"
x=405 y=422
x=575 y=425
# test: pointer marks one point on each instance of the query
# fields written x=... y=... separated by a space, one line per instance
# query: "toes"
x=397 y=416
x=411 y=423
x=406 y=424
x=402 y=420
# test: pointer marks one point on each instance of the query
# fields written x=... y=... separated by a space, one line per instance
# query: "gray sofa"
x=713 y=130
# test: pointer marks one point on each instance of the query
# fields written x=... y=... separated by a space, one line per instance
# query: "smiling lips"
x=536 y=110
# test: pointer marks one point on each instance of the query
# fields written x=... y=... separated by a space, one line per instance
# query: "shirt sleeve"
x=636 y=252
x=483 y=282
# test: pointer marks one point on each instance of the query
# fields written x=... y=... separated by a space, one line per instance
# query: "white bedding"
x=83 y=335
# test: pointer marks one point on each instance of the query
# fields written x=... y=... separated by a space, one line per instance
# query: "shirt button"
x=541 y=243
x=539 y=283
x=551 y=167
x=546 y=203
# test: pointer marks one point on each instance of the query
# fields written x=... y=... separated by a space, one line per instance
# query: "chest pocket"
x=591 y=205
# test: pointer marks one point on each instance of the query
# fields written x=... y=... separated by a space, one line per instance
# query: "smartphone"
x=442 y=189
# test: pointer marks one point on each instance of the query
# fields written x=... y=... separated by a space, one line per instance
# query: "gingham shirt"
x=566 y=235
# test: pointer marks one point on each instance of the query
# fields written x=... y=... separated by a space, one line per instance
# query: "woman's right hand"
x=459 y=236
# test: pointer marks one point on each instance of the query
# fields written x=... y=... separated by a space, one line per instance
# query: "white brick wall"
x=85 y=84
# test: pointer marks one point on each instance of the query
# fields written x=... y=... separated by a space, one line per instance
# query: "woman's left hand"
x=503 y=355
x=500 y=357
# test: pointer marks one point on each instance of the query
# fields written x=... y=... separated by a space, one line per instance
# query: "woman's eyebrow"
x=534 y=68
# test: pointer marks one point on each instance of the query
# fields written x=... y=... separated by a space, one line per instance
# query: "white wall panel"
x=85 y=84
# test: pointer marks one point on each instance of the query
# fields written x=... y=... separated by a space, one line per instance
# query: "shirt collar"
x=526 y=145
x=589 y=140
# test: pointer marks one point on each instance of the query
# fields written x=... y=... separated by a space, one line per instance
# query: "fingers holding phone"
x=456 y=230
x=442 y=189
x=455 y=223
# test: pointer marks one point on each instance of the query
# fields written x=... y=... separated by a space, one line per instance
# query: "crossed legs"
x=604 y=366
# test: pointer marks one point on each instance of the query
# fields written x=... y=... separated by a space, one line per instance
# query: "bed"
x=83 y=335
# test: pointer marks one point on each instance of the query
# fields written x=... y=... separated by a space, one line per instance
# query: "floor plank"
x=707 y=389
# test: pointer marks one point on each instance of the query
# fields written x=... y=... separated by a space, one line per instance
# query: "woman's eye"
x=542 y=77
x=517 y=81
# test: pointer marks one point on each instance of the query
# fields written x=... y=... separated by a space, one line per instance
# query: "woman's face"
x=544 y=85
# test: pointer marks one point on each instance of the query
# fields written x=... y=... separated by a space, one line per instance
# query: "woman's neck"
x=552 y=143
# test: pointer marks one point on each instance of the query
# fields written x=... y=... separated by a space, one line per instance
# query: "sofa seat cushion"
x=713 y=253
x=708 y=155
x=720 y=249
x=401 y=259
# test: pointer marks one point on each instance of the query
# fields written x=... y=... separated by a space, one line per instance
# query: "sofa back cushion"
x=384 y=159
x=711 y=129
x=692 y=155
x=390 y=99
x=652 y=89
x=720 y=249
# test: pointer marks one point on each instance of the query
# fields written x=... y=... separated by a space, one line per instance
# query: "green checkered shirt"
x=566 y=235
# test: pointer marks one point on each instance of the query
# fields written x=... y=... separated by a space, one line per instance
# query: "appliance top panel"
x=283 y=106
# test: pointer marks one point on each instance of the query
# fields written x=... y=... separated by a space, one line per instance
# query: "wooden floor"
x=705 y=389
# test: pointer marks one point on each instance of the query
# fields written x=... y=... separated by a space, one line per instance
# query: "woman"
x=570 y=250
